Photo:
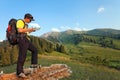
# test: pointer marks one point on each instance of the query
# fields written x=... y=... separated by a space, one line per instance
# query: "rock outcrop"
x=53 y=72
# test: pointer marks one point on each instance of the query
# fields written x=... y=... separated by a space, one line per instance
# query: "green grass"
x=80 y=71
x=94 y=54
x=90 y=49
x=108 y=53
x=117 y=43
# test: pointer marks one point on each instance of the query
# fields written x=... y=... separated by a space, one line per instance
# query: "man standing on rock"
x=25 y=44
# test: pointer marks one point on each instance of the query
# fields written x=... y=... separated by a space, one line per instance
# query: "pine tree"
x=62 y=49
x=14 y=55
x=5 y=58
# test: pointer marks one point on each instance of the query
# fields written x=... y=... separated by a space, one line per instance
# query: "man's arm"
x=24 y=30
x=20 y=26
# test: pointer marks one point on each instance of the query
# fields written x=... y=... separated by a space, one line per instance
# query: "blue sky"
x=60 y=15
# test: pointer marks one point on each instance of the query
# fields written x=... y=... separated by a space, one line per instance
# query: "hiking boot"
x=28 y=71
x=22 y=75
x=34 y=67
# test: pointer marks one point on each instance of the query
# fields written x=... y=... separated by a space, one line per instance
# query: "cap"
x=29 y=16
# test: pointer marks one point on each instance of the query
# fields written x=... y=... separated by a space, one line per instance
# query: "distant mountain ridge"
x=60 y=36
x=103 y=31
x=95 y=32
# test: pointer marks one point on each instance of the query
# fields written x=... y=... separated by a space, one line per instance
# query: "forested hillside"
x=102 y=49
x=103 y=37
x=8 y=53
x=105 y=32
x=98 y=47
x=88 y=55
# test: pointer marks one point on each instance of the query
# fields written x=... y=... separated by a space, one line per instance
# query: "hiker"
x=25 y=44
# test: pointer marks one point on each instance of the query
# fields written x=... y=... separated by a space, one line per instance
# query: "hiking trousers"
x=24 y=45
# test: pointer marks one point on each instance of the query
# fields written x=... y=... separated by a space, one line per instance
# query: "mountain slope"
x=105 y=32
x=67 y=36
x=61 y=37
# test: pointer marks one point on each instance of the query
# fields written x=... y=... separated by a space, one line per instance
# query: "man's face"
x=28 y=20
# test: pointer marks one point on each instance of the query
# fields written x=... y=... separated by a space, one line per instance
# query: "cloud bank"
x=55 y=30
x=64 y=28
x=1 y=40
x=101 y=9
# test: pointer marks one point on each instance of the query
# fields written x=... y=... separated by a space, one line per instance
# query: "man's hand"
x=31 y=30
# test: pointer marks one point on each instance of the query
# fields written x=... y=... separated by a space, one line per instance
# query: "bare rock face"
x=53 y=72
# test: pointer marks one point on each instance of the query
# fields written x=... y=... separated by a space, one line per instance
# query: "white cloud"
x=63 y=28
x=77 y=29
x=55 y=30
x=100 y=9
x=1 y=40
x=84 y=29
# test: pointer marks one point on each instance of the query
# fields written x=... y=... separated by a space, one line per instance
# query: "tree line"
x=9 y=54
x=101 y=40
